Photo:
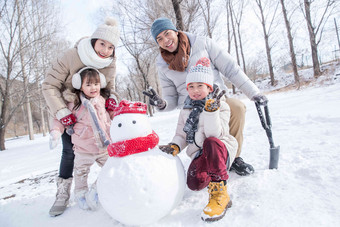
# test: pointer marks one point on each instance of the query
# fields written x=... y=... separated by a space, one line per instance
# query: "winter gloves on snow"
x=171 y=148
x=155 y=99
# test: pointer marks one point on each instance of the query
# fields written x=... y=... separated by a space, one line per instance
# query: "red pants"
x=211 y=165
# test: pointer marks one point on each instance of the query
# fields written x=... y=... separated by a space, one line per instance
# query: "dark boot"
x=241 y=168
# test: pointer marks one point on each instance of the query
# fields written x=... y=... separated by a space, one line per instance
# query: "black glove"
x=260 y=99
x=214 y=103
x=171 y=148
x=154 y=98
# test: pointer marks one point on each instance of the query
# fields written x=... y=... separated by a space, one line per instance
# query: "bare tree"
x=9 y=71
x=266 y=33
x=238 y=17
x=317 y=28
x=291 y=45
x=16 y=59
x=178 y=13
x=208 y=16
x=141 y=48
x=231 y=11
x=22 y=48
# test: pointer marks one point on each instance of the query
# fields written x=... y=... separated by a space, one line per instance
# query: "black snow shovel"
x=266 y=124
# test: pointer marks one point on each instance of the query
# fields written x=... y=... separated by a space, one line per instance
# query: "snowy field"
x=303 y=191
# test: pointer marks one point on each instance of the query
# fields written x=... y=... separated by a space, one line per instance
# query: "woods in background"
x=262 y=35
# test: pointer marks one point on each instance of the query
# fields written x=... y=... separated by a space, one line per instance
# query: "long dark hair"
x=93 y=42
x=93 y=77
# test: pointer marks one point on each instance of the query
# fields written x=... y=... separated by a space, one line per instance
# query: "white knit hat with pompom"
x=201 y=72
x=108 y=31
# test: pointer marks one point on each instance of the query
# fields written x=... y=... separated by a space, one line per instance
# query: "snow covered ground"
x=303 y=191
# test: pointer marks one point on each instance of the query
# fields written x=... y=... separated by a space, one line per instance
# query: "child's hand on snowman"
x=54 y=138
x=214 y=103
x=171 y=148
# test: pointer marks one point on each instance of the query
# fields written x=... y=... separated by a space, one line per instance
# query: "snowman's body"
x=139 y=188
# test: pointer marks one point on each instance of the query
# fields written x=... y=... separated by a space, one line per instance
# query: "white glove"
x=54 y=138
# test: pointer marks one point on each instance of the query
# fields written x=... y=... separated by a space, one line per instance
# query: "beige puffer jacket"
x=210 y=124
x=58 y=82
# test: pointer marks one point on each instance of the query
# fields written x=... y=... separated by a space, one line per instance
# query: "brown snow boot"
x=219 y=202
x=62 y=196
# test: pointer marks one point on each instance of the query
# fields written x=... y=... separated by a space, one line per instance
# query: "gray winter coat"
x=222 y=64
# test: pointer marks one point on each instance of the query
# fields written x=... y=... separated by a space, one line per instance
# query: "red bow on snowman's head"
x=126 y=106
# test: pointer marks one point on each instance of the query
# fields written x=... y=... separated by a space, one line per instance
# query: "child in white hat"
x=203 y=127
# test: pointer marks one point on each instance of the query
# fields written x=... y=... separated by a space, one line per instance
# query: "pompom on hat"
x=161 y=24
x=201 y=73
x=126 y=106
x=108 y=31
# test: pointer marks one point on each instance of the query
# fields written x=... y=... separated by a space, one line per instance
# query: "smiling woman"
x=97 y=52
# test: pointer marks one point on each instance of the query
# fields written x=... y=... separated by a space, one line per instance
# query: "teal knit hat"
x=161 y=24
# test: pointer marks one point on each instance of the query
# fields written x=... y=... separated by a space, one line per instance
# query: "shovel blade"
x=274 y=157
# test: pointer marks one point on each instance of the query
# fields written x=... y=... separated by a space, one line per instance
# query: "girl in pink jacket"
x=91 y=132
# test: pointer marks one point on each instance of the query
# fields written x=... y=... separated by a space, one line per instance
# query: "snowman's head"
x=130 y=121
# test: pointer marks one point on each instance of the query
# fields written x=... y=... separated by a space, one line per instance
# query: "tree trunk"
x=291 y=45
x=312 y=38
x=178 y=13
x=228 y=27
x=14 y=119
x=241 y=49
x=337 y=33
x=235 y=40
x=37 y=74
x=22 y=61
x=2 y=139
x=266 y=39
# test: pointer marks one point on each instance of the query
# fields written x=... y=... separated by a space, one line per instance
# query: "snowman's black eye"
x=120 y=125
x=134 y=122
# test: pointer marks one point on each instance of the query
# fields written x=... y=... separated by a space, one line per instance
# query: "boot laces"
x=215 y=192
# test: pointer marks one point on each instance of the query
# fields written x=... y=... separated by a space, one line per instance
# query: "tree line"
x=31 y=37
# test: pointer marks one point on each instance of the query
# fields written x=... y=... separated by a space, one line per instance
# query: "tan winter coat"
x=210 y=124
x=58 y=82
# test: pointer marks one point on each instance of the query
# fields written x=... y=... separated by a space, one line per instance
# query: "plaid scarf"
x=191 y=124
x=178 y=60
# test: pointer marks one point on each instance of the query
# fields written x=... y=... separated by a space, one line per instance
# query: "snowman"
x=139 y=184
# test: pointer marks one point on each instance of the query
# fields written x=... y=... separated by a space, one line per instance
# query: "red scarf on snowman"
x=135 y=145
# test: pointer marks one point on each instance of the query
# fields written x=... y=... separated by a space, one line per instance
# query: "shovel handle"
x=266 y=122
